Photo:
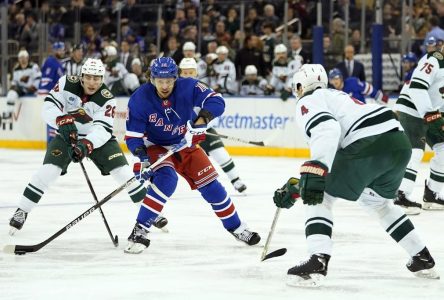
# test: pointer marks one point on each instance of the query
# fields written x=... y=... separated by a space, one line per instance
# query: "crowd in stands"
x=225 y=51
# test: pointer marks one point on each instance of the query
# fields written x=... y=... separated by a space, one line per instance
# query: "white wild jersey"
x=282 y=73
x=256 y=87
x=94 y=114
x=27 y=77
x=425 y=91
x=331 y=120
x=114 y=74
x=226 y=75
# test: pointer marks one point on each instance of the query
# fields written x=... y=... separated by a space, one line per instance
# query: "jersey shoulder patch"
x=438 y=55
x=102 y=96
x=106 y=93
x=72 y=78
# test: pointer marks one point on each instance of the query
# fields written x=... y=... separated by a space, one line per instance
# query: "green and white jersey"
x=331 y=120
x=94 y=114
x=425 y=91
x=27 y=77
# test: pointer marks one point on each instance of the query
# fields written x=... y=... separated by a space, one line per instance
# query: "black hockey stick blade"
x=116 y=241
x=257 y=143
x=276 y=253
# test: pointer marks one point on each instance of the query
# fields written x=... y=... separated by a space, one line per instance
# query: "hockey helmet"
x=335 y=73
x=250 y=70
x=221 y=50
x=189 y=46
x=23 y=53
x=410 y=57
x=308 y=78
x=58 y=46
x=110 y=51
x=281 y=48
x=163 y=67
x=94 y=67
x=188 y=63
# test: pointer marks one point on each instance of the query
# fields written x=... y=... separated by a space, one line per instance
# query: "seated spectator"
x=350 y=67
x=73 y=65
x=91 y=37
x=126 y=58
x=224 y=80
x=296 y=50
x=269 y=42
x=173 y=49
x=25 y=81
x=222 y=37
x=136 y=68
x=356 y=88
x=269 y=15
x=232 y=22
x=252 y=84
x=29 y=36
x=252 y=22
x=251 y=54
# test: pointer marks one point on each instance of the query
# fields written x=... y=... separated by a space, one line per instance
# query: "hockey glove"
x=312 y=182
x=67 y=128
x=436 y=123
x=79 y=151
x=381 y=98
x=286 y=196
x=138 y=167
x=195 y=135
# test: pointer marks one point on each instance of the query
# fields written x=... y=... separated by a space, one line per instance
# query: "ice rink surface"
x=198 y=259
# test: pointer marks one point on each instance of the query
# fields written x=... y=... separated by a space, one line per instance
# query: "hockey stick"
x=236 y=139
x=116 y=238
x=22 y=249
x=275 y=253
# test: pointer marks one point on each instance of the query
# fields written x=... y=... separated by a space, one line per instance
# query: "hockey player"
x=418 y=109
x=252 y=84
x=80 y=107
x=117 y=77
x=52 y=68
x=355 y=88
x=25 y=81
x=162 y=111
x=408 y=61
x=213 y=145
x=283 y=70
x=189 y=51
x=225 y=70
x=359 y=153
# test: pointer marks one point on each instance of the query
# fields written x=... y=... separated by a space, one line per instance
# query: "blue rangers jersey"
x=163 y=121
x=359 y=89
x=52 y=70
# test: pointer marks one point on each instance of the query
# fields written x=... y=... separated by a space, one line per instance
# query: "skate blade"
x=134 y=248
x=427 y=274
x=412 y=210
x=432 y=206
x=315 y=280
x=12 y=231
x=164 y=229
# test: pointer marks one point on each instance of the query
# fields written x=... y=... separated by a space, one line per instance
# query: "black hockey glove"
x=67 y=128
x=79 y=151
x=286 y=196
x=436 y=123
x=139 y=167
x=312 y=183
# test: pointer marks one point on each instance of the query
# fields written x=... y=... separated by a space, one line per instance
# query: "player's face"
x=164 y=86
x=91 y=83
x=23 y=60
x=188 y=53
x=336 y=83
x=281 y=56
x=406 y=65
x=188 y=73
x=251 y=77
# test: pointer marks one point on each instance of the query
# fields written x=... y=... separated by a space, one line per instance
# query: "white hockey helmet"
x=221 y=50
x=281 y=48
x=23 y=53
x=188 y=63
x=93 y=66
x=308 y=78
x=250 y=70
x=189 y=46
x=110 y=51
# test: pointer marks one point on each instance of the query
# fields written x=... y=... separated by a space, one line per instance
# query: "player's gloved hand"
x=195 y=134
x=67 y=128
x=286 y=196
x=144 y=162
x=381 y=98
x=435 y=122
x=312 y=182
x=79 y=151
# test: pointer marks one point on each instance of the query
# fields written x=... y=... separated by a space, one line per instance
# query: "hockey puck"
x=20 y=252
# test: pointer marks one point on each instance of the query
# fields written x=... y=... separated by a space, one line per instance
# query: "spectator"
x=225 y=73
x=108 y=29
x=190 y=34
x=136 y=69
x=52 y=68
x=173 y=50
x=192 y=17
x=355 y=40
x=20 y=22
x=251 y=54
x=91 y=38
x=126 y=57
x=252 y=84
x=269 y=43
x=337 y=35
x=25 y=81
x=269 y=15
x=252 y=22
x=232 y=22
x=350 y=67
x=73 y=65
x=435 y=30
x=296 y=50
x=330 y=58
x=222 y=37
x=132 y=14
x=29 y=36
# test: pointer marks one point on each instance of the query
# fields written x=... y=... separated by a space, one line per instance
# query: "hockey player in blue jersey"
x=52 y=69
x=409 y=62
x=355 y=88
x=160 y=115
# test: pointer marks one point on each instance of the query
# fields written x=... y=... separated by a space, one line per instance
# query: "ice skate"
x=239 y=185
x=309 y=273
x=410 y=207
x=421 y=265
x=432 y=200
x=160 y=222
x=137 y=241
x=17 y=221
x=242 y=234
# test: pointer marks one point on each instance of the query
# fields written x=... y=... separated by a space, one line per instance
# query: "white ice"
x=198 y=259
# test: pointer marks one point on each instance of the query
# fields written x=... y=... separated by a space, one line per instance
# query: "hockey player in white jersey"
x=359 y=152
x=189 y=51
x=225 y=70
x=82 y=109
x=253 y=85
x=418 y=109
x=117 y=77
x=25 y=81
x=213 y=145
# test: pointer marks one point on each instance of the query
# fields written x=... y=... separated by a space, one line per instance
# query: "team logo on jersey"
x=438 y=55
x=304 y=110
x=72 y=78
x=106 y=93
x=56 y=152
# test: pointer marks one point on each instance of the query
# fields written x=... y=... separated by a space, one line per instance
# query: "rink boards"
x=266 y=119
